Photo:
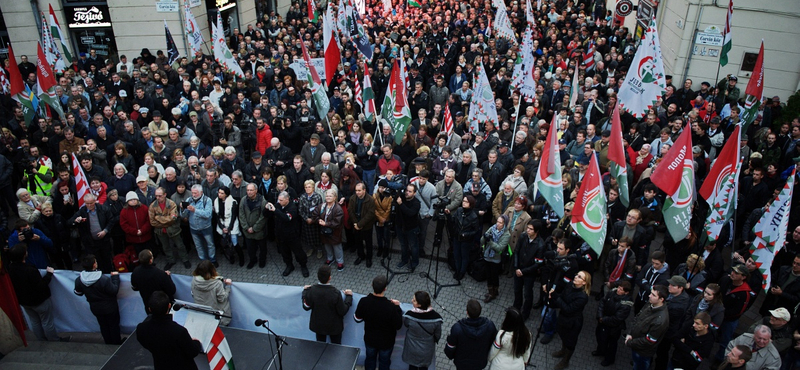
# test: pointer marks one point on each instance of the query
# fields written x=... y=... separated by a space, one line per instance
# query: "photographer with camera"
x=38 y=243
x=278 y=157
x=408 y=227
x=425 y=194
x=559 y=270
x=37 y=178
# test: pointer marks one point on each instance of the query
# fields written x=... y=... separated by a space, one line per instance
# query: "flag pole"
x=516 y=124
x=185 y=35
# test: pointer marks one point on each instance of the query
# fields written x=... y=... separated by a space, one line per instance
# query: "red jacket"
x=133 y=219
x=393 y=164
x=263 y=139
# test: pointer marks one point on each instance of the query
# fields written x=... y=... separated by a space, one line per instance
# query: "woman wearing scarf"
x=424 y=331
x=330 y=218
x=310 y=202
x=494 y=241
x=325 y=183
x=227 y=211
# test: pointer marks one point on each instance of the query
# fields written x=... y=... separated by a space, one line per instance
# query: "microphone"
x=261 y=322
x=178 y=306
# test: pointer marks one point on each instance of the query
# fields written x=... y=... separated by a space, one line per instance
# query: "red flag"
x=9 y=303
x=616 y=152
x=17 y=86
x=667 y=175
x=724 y=165
x=448 y=121
x=755 y=87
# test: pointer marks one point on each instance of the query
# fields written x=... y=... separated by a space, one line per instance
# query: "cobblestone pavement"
x=451 y=301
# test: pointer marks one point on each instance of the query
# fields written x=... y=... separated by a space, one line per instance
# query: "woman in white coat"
x=512 y=345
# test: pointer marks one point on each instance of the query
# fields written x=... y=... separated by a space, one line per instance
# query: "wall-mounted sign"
x=223 y=5
x=194 y=3
x=88 y=16
x=705 y=38
x=167 y=6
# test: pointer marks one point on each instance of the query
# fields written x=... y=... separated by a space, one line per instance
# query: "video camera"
x=439 y=208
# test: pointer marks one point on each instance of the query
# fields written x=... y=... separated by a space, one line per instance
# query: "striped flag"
x=727 y=42
x=219 y=355
x=414 y=3
x=54 y=57
x=55 y=29
x=573 y=95
x=332 y=54
x=448 y=122
x=616 y=157
x=357 y=93
x=588 y=57
x=81 y=183
x=368 y=96
x=5 y=84
x=313 y=13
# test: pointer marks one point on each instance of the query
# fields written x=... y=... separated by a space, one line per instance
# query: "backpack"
x=126 y=261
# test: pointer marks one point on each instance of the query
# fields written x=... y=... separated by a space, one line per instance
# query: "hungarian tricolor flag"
x=315 y=84
x=55 y=30
x=219 y=354
x=332 y=54
x=754 y=91
x=589 y=214
x=414 y=3
x=313 y=13
x=401 y=112
x=727 y=38
x=675 y=176
x=368 y=96
x=81 y=182
x=618 y=166
x=771 y=230
x=719 y=188
x=548 y=176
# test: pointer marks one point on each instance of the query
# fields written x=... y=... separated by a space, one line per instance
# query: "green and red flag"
x=20 y=91
x=618 y=166
x=771 y=229
x=675 y=176
x=316 y=86
x=46 y=82
x=754 y=91
x=727 y=38
x=414 y=3
x=368 y=96
x=313 y=12
x=589 y=214
x=548 y=175
x=719 y=188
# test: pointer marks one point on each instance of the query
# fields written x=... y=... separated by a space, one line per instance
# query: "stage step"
x=58 y=356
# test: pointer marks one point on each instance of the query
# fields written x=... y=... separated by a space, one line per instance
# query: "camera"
x=439 y=207
x=194 y=167
x=28 y=234
x=184 y=204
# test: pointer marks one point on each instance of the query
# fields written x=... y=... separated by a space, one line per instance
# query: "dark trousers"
x=109 y=327
x=662 y=354
x=287 y=247
x=523 y=288
x=383 y=236
x=335 y=339
x=412 y=367
x=142 y=246
x=607 y=341
x=493 y=273
x=409 y=246
x=461 y=255
x=363 y=243
x=384 y=357
x=255 y=245
x=101 y=249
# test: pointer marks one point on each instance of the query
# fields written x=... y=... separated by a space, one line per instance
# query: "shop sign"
x=88 y=16
x=223 y=5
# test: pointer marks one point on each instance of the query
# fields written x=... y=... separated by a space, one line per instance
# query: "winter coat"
x=367 y=218
x=170 y=343
x=690 y=352
x=455 y=194
x=334 y=219
x=528 y=255
x=31 y=214
x=37 y=250
x=253 y=217
x=519 y=226
x=147 y=279
x=613 y=311
x=466 y=225
x=200 y=219
x=227 y=215
x=135 y=219
x=649 y=277
x=165 y=219
x=648 y=329
x=213 y=293
x=628 y=271
x=497 y=204
x=736 y=299
x=424 y=329
x=493 y=251
x=766 y=358
x=501 y=356
x=570 y=302
x=100 y=291
x=717 y=312
x=676 y=306
x=327 y=308
x=105 y=217
x=30 y=286
x=697 y=280
x=517 y=182
x=469 y=342
x=287 y=222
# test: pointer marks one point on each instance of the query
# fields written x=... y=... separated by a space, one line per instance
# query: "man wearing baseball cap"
x=777 y=321
x=677 y=303
x=737 y=298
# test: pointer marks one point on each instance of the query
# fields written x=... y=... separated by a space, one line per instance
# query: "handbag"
x=327 y=230
x=478 y=270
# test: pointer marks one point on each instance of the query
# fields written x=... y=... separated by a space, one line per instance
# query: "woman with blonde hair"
x=571 y=302
x=209 y=288
x=693 y=270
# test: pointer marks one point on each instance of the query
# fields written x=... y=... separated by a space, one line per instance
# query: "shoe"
x=369 y=262
x=251 y=265
x=455 y=276
x=262 y=264
x=241 y=262
x=546 y=339
x=216 y=264
x=309 y=252
x=564 y=363
x=65 y=339
x=304 y=270
x=288 y=270
x=319 y=254
x=187 y=265
x=358 y=261
x=328 y=262
x=598 y=353
x=560 y=353
x=340 y=267
x=412 y=268
x=401 y=264
x=606 y=363
x=169 y=266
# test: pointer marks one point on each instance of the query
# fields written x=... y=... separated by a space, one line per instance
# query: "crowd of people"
x=182 y=154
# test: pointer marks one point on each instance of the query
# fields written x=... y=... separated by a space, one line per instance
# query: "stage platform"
x=252 y=350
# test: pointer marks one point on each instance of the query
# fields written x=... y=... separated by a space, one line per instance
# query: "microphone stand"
x=279 y=341
x=204 y=309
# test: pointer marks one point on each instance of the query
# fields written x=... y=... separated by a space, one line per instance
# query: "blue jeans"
x=409 y=246
x=204 y=243
x=640 y=362
x=550 y=320
x=725 y=334
x=369 y=179
x=383 y=356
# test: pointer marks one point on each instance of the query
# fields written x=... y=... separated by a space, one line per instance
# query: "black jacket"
x=409 y=214
x=529 y=255
x=327 y=308
x=466 y=225
x=382 y=319
x=287 y=221
x=469 y=342
x=31 y=287
x=106 y=218
x=571 y=302
x=559 y=271
x=690 y=352
x=148 y=279
x=614 y=310
x=676 y=306
x=641 y=242
x=101 y=294
x=168 y=342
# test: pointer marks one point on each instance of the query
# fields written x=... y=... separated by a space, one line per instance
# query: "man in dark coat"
x=361 y=211
x=382 y=319
x=527 y=261
x=33 y=293
x=327 y=307
x=147 y=278
x=94 y=222
x=611 y=315
x=677 y=303
x=471 y=339
x=170 y=343
x=287 y=228
x=101 y=293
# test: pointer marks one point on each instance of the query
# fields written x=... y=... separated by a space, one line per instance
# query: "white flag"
x=645 y=81
x=222 y=54
x=193 y=32
x=482 y=107
x=523 y=79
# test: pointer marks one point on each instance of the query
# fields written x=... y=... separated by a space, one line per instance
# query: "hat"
x=110 y=190
x=314 y=136
x=781 y=313
x=179 y=127
x=176 y=111
x=131 y=196
x=141 y=178
x=336 y=88
x=745 y=137
x=562 y=141
x=502 y=144
x=256 y=154
x=192 y=114
x=123 y=94
x=605 y=133
x=423 y=149
x=584 y=161
x=776 y=98
x=697 y=149
x=705 y=83
x=677 y=280
x=159 y=86
x=418 y=160
x=383 y=182
x=144 y=110
x=156 y=113
x=733 y=78
x=459 y=114
x=741 y=270
x=566 y=84
x=668 y=77
x=716 y=120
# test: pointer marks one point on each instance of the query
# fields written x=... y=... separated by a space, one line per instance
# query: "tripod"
x=538 y=331
x=386 y=262
x=441 y=223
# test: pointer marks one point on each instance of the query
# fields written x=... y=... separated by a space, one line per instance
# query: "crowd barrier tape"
x=280 y=304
